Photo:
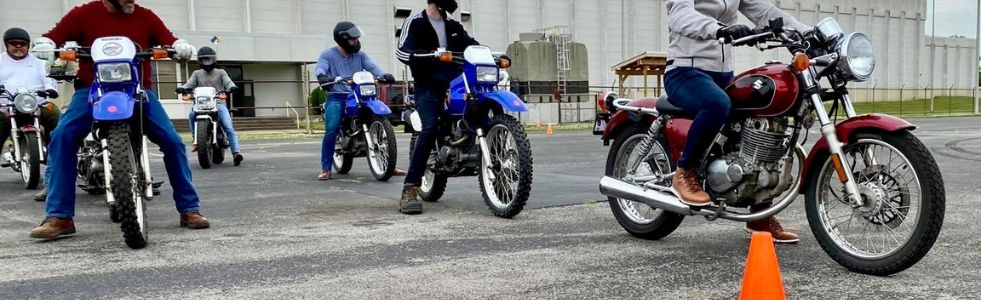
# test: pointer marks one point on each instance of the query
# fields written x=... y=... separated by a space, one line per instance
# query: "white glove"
x=184 y=50
x=43 y=48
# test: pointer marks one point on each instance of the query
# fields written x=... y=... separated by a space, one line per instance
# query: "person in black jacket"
x=424 y=33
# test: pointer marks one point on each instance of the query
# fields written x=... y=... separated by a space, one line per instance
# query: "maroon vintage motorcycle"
x=874 y=194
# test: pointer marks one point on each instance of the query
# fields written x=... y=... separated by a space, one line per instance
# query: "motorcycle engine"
x=760 y=167
x=457 y=154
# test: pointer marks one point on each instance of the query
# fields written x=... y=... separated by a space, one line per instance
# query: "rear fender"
x=622 y=119
x=113 y=106
x=508 y=100
x=847 y=132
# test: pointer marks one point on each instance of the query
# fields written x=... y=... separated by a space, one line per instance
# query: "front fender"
x=623 y=119
x=113 y=106
x=847 y=131
x=508 y=100
x=378 y=107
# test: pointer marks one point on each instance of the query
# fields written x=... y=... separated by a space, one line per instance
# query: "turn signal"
x=504 y=63
x=160 y=54
x=801 y=62
x=67 y=55
x=186 y=97
x=446 y=57
x=839 y=167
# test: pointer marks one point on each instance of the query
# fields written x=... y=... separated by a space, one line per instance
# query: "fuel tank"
x=766 y=91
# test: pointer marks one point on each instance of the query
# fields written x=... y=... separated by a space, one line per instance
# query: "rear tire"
x=388 y=149
x=30 y=167
x=657 y=227
x=205 y=149
x=342 y=162
x=126 y=186
x=433 y=184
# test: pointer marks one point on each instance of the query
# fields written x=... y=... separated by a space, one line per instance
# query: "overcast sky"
x=954 y=17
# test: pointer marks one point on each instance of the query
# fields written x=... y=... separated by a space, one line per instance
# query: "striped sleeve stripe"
x=405 y=28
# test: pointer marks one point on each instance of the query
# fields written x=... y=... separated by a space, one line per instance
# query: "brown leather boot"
x=773 y=226
x=685 y=185
x=409 y=204
x=53 y=227
x=194 y=220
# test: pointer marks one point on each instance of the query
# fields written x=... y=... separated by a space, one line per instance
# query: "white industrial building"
x=269 y=41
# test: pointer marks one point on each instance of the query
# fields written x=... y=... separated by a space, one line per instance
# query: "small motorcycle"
x=117 y=98
x=29 y=151
x=476 y=137
x=365 y=129
x=874 y=196
x=209 y=136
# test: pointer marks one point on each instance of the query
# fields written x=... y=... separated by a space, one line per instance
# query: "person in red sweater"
x=84 y=24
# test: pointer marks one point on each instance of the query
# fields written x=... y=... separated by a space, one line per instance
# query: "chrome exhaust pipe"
x=616 y=188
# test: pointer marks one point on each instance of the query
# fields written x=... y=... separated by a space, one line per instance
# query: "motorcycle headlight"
x=25 y=103
x=115 y=72
x=487 y=74
x=857 y=57
x=367 y=90
x=203 y=103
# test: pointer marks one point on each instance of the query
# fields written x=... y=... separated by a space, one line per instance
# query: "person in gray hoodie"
x=700 y=65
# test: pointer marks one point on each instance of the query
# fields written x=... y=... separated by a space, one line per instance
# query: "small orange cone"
x=762 y=277
x=548 y=131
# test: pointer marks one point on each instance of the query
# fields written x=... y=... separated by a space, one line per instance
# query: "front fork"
x=484 y=151
x=838 y=159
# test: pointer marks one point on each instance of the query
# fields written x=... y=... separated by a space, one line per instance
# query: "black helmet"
x=207 y=58
x=16 y=34
x=346 y=30
x=448 y=6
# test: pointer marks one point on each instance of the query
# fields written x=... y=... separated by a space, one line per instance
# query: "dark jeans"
x=333 y=115
x=76 y=124
x=429 y=104
x=699 y=93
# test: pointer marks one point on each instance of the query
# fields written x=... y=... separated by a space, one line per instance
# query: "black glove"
x=324 y=79
x=387 y=78
x=180 y=90
x=51 y=93
x=232 y=89
x=733 y=32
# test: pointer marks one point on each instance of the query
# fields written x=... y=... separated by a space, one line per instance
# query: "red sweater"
x=87 y=22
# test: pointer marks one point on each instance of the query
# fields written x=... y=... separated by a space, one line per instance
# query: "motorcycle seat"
x=665 y=107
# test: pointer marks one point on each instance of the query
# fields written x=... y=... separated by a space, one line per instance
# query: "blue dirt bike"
x=117 y=98
x=476 y=136
x=365 y=130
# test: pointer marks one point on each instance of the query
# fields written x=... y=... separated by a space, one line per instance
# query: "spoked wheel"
x=639 y=219
x=903 y=210
x=342 y=159
x=433 y=184
x=506 y=179
x=30 y=160
x=126 y=186
x=205 y=146
x=382 y=157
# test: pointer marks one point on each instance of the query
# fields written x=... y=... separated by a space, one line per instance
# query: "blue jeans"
x=333 y=114
x=429 y=104
x=699 y=93
x=76 y=123
x=225 y=120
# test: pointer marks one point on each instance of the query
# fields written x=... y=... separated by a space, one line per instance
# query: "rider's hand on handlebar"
x=49 y=93
x=183 y=51
x=734 y=32
x=387 y=78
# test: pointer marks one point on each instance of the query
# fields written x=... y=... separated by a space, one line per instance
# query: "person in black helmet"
x=21 y=70
x=210 y=76
x=341 y=62
x=421 y=34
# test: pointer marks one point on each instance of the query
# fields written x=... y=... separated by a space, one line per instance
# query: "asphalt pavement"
x=279 y=233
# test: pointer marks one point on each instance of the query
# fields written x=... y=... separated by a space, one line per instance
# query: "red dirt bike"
x=874 y=194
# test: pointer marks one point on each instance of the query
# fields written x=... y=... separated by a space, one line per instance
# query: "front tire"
x=889 y=192
x=638 y=219
x=382 y=159
x=126 y=186
x=218 y=149
x=205 y=148
x=30 y=160
x=510 y=165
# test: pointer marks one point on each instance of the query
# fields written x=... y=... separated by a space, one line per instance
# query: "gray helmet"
x=16 y=33
x=207 y=58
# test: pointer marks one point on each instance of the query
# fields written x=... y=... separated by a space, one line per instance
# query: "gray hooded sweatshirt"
x=692 y=25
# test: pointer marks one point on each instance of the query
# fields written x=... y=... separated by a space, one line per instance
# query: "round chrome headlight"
x=857 y=57
x=25 y=103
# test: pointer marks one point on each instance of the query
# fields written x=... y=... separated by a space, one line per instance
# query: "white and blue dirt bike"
x=476 y=136
x=117 y=98
x=23 y=111
x=365 y=130
x=209 y=136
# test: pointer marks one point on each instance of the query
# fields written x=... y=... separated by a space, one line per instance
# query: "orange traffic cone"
x=762 y=277
x=548 y=131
